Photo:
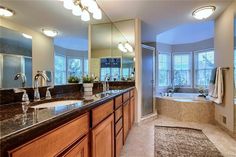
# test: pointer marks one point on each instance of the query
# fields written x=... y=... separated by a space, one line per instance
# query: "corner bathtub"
x=186 y=107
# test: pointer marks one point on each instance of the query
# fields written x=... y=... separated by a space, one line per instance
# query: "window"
x=204 y=63
x=60 y=69
x=110 y=67
x=85 y=66
x=164 y=70
x=66 y=66
x=74 y=67
x=182 y=69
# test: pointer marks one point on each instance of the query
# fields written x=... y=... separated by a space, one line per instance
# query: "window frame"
x=170 y=70
x=74 y=57
x=65 y=57
x=190 y=54
x=196 y=62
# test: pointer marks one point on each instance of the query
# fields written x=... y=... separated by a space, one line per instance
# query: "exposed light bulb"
x=97 y=14
x=27 y=36
x=129 y=47
x=77 y=11
x=121 y=47
x=92 y=6
x=86 y=3
x=68 y=4
x=204 y=12
x=85 y=15
x=6 y=12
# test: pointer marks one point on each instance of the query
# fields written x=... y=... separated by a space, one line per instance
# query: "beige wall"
x=42 y=46
x=224 y=47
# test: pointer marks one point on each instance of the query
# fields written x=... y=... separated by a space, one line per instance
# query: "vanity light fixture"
x=49 y=33
x=203 y=12
x=83 y=8
x=122 y=48
x=129 y=47
x=5 y=12
x=27 y=36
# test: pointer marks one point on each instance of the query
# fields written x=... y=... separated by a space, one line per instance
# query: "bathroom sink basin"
x=57 y=103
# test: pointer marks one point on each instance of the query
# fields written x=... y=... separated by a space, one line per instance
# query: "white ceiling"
x=158 y=15
x=187 y=33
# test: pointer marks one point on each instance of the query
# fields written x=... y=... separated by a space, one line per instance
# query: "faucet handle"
x=48 y=94
x=25 y=97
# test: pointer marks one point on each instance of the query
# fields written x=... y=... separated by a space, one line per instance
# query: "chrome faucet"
x=105 y=84
x=48 y=94
x=22 y=76
x=36 y=84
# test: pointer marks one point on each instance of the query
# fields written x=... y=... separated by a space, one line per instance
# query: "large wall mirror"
x=60 y=57
x=65 y=56
x=112 y=55
x=15 y=59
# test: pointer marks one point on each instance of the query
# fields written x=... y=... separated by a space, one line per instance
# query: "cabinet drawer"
x=118 y=114
x=125 y=96
x=54 y=141
x=101 y=112
x=132 y=93
x=79 y=150
x=119 y=143
x=118 y=126
x=118 y=101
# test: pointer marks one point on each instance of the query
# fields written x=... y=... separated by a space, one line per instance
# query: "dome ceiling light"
x=125 y=47
x=5 y=12
x=26 y=36
x=83 y=8
x=49 y=33
x=203 y=12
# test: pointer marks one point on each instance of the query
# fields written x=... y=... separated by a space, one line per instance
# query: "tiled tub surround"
x=186 y=109
x=20 y=123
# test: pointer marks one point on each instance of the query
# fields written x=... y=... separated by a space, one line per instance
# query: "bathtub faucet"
x=170 y=91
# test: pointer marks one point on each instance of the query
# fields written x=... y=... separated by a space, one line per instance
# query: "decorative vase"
x=88 y=87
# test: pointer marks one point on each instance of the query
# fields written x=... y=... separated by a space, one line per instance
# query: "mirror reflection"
x=15 y=59
x=111 y=58
x=63 y=48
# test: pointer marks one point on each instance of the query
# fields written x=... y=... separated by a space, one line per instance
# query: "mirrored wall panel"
x=15 y=59
x=112 y=55
x=60 y=43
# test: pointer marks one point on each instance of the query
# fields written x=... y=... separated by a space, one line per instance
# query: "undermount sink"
x=57 y=103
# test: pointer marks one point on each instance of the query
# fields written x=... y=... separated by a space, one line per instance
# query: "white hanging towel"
x=216 y=91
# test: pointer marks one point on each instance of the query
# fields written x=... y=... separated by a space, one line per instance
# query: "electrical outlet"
x=224 y=119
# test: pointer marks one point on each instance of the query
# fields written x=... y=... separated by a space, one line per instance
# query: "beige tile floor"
x=140 y=142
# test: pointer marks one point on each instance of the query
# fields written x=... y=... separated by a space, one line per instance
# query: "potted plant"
x=73 y=79
x=88 y=83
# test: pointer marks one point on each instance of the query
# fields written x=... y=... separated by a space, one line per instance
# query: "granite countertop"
x=19 y=120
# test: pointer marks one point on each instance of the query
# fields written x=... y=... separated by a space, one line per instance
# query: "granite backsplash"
x=8 y=96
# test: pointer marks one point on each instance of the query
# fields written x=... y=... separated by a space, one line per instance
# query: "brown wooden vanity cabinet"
x=126 y=121
x=103 y=138
x=79 y=150
x=132 y=111
x=55 y=141
x=99 y=133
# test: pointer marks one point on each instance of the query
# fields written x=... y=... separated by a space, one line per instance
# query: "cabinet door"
x=103 y=138
x=79 y=150
x=132 y=111
x=126 y=120
x=119 y=143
